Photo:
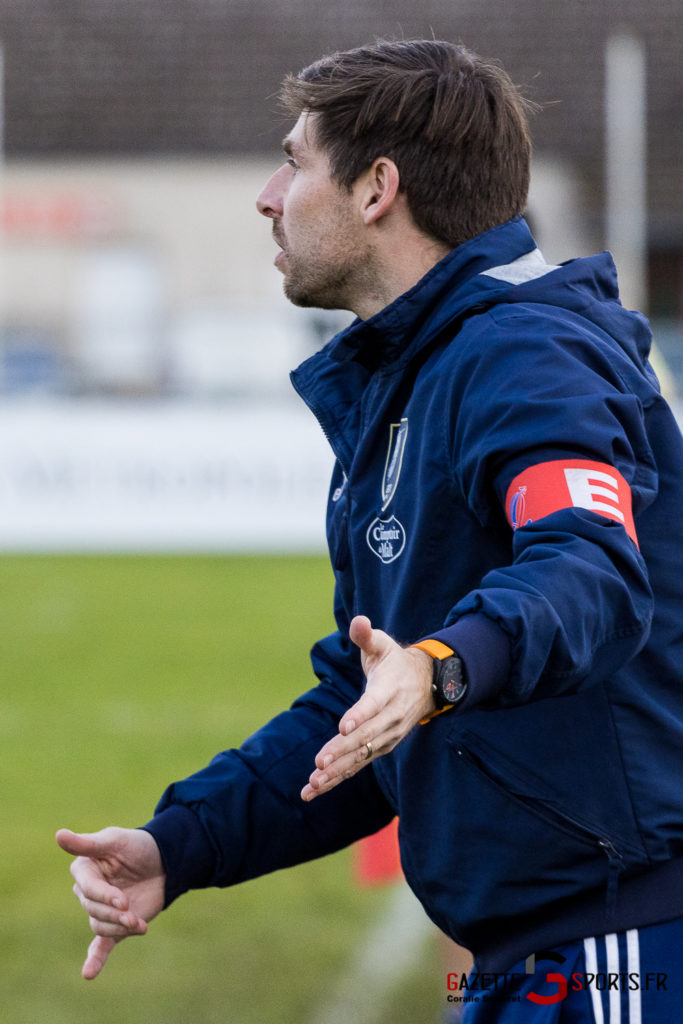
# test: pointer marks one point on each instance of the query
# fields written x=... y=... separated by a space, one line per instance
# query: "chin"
x=308 y=300
x=299 y=299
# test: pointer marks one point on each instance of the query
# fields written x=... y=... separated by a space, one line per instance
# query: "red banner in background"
x=65 y=214
x=376 y=859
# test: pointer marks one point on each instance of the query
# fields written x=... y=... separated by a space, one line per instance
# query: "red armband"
x=538 y=491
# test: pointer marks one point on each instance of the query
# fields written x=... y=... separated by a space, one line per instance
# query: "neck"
x=400 y=264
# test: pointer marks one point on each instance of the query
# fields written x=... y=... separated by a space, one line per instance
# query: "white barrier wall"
x=87 y=476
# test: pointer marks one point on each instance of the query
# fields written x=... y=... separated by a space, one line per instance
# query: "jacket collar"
x=332 y=381
x=449 y=289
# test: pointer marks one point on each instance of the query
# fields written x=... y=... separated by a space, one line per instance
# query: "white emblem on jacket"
x=386 y=538
x=398 y=433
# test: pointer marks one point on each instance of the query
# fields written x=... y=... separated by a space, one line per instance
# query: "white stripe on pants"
x=633 y=967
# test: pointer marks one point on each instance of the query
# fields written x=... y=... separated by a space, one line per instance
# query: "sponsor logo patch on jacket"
x=569 y=483
x=386 y=538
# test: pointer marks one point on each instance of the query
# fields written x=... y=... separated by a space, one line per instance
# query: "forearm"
x=574 y=606
x=242 y=815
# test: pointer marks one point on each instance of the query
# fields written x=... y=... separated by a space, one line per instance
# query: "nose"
x=270 y=199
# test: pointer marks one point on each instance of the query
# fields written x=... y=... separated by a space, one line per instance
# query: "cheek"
x=302 y=223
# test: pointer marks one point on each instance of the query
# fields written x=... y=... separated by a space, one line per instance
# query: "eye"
x=292 y=163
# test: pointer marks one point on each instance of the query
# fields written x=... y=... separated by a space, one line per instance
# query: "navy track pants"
x=633 y=977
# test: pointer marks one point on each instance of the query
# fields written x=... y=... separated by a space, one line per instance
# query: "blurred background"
x=161 y=487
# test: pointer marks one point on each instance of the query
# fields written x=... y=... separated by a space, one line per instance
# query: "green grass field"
x=119 y=675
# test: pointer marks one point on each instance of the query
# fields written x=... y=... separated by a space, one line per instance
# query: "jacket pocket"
x=486 y=846
x=508 y=786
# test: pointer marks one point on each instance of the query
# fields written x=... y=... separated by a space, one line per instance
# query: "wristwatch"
x=449 y=684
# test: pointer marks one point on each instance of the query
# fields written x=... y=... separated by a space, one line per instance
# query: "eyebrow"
x=294 y=149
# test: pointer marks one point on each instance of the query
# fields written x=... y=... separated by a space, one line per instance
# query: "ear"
x=380 y=189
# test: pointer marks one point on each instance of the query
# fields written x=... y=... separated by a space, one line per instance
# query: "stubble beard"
x=326 y=274
x=333 y=284
x=316 y=291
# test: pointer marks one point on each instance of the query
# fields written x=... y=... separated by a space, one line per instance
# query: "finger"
x=365 y=712
x=344 y=767
x=371 y=719
x=309 y=792
x=106 y=913
x=94 y=887
x=320 y=782
x=351 y=737
x=118 y=931
x=98 y=951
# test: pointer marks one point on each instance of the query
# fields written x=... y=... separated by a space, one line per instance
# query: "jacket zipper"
x=615 y=861
x=551 y=815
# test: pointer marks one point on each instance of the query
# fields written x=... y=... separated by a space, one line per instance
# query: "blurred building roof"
x=200 y=76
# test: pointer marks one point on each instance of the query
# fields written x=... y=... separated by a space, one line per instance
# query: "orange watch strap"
x=435 y=649
x=439 y=711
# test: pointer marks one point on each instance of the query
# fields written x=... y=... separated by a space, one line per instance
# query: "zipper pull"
x=615 y=866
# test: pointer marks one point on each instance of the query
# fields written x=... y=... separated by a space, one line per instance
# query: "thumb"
x=98 y=951
x=84 y=844
x=371 y=641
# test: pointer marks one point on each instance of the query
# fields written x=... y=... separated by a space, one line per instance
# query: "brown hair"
x=454 y=124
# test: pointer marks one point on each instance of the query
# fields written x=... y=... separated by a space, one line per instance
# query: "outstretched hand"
x=398 y=694
x=119 y=881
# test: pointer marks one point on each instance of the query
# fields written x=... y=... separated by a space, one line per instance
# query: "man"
x=504 y=528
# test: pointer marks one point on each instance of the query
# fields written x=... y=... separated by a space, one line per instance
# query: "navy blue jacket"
x=548 y=806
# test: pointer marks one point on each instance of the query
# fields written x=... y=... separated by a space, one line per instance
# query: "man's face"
x=317 y=225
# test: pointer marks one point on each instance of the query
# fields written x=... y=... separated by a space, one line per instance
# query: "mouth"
x=281 y=254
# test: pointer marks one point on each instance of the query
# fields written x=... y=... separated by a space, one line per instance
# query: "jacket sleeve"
x=574 y=603
x=242 y=815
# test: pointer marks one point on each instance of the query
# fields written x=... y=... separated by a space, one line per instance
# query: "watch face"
x=450 y=684
x=451 y=689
